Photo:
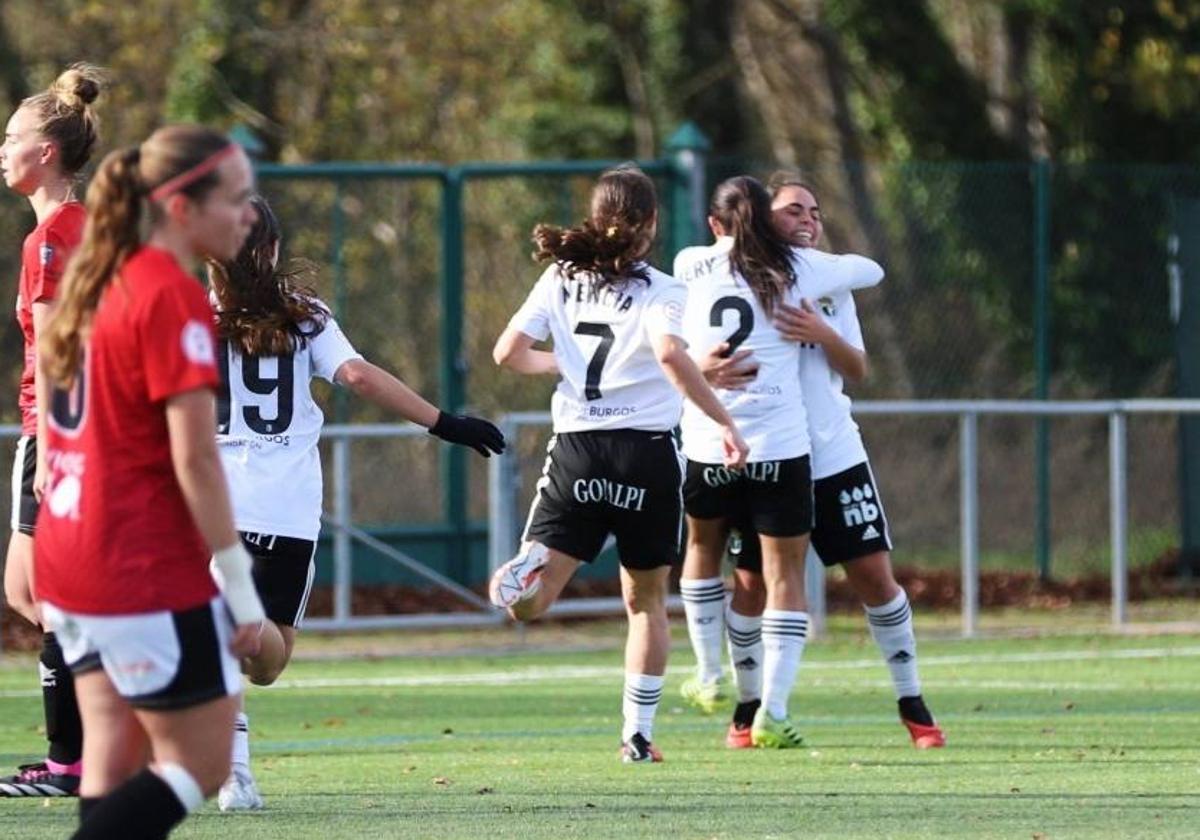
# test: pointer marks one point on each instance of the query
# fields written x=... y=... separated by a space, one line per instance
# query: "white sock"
x=241 y=740
x=639 y=703
x=892 y=628
x=746 y=653
x=783 y=636
x=704 y=606
x=182 y=784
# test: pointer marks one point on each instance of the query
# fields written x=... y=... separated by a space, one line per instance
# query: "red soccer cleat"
x=925 y=737
x=738 y=737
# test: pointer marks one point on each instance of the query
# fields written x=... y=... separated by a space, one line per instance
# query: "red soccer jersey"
x=114 y=534
x=43 y=259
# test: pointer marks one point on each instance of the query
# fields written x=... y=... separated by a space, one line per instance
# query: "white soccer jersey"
x=770 y=412
x=268 y=427
x=604 y=345
x=836 y=442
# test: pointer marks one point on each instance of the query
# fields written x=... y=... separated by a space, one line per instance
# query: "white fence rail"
x=505 y=507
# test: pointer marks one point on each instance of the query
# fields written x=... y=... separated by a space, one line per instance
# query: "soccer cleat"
x=774 y=733
x=925 y=737
x=638 y=750
x=705 y=696
x=39 y=780
x=738 y=736
x=239 y=793
x=520 y=578
x=922 y=728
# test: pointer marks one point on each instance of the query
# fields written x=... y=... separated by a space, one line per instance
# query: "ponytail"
x=114 y=205
x=759 y=254
x=613 y=241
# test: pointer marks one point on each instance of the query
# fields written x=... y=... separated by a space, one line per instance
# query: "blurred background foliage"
x=865 y=97
x=925 y=124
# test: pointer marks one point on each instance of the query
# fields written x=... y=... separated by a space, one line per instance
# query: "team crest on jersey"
x=46 y=253
x=198 y=344
x=826 y=306
x=674 y=310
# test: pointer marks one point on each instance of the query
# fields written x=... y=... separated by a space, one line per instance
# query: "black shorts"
x=283 y=574
x=850 y=522
x=773 y=497
x=24 y=503
x=158 y=660
x=623 y=482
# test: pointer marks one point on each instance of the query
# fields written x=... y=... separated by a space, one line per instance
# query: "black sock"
x=743 y=715
x=86 y=805
x=144 y=808
x=913 y=708
x=64 y=730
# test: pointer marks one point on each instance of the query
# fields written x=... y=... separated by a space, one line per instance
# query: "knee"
x=874 y=584
x=645 y=600
x=264 y=669
x=262 y=676
x=878 y=594
x=749 y=600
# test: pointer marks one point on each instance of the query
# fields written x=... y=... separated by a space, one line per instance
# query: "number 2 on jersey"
x=282 y=384
x=596 y=366
x=716 y=317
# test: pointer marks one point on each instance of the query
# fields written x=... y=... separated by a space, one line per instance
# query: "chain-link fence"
x=1004 y=281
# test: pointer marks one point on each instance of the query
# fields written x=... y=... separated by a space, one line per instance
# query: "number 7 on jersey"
x=595 y=367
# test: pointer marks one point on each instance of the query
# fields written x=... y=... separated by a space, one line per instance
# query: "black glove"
x=474 y=432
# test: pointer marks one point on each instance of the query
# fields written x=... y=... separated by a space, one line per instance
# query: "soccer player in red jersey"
x=47 y=142
x=136 y=500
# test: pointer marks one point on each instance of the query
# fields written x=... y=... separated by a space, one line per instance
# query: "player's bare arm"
x=514 y=350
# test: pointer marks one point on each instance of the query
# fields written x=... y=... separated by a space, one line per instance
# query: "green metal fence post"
x=452 y=372
x=1041 y=332
x=687 y=149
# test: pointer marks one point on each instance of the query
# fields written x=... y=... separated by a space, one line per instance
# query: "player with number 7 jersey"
x=612 y=466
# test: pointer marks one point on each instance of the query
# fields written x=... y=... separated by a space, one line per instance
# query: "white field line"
x=584 y=672
x=594 y=672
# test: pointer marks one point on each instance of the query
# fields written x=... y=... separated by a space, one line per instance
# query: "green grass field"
x=1052 y=736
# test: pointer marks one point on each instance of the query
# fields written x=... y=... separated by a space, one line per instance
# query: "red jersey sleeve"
x=55 y=244
x=178 y=344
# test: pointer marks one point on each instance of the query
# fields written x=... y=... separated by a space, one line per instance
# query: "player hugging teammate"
x=849 y=524
x=771 y=321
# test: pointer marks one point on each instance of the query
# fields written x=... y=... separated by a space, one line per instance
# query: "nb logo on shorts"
x=858 y=507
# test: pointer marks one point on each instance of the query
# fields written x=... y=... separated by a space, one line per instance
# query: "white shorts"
x=157 y=660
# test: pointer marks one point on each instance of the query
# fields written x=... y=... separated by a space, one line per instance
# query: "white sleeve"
x=330 y=349
x=826 y=275
x=664 y=313
x=533 y=318
x=847 y=325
